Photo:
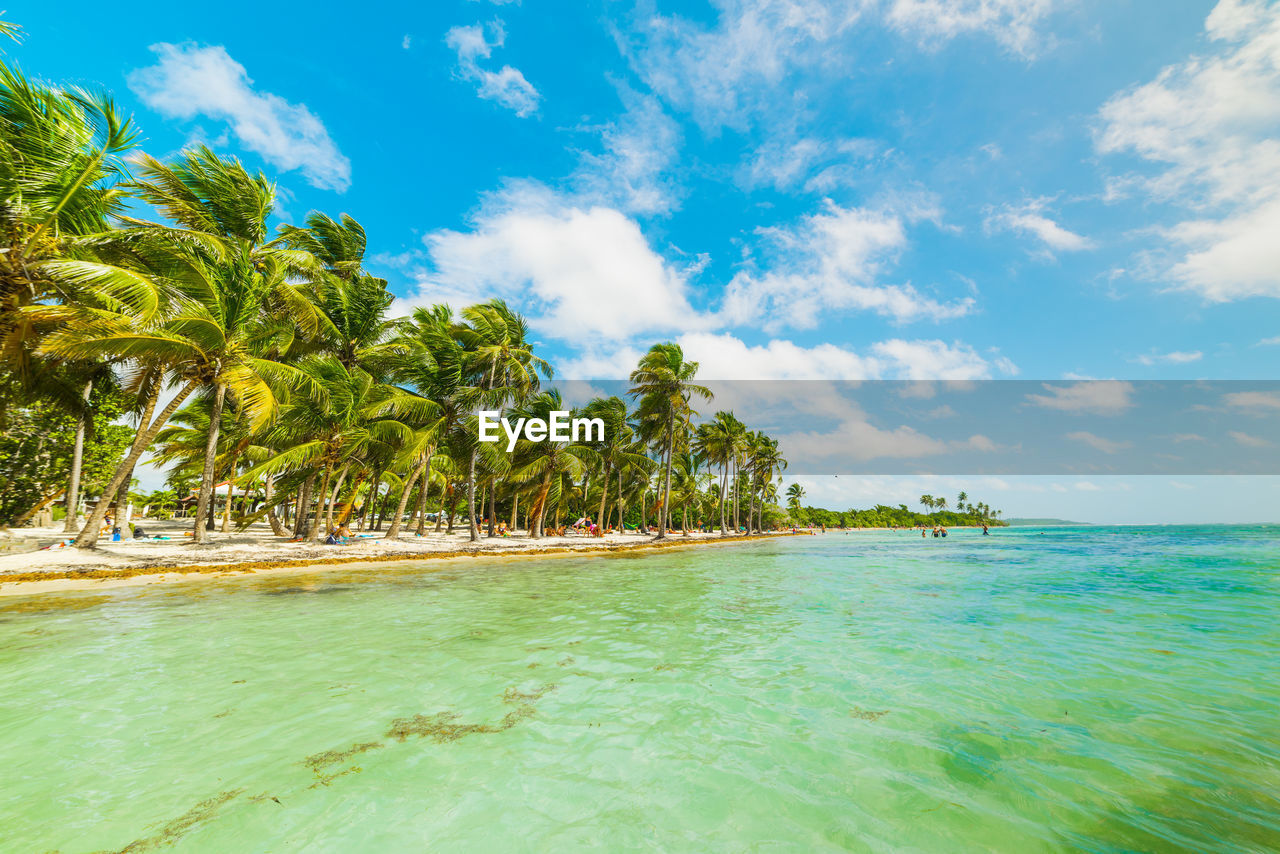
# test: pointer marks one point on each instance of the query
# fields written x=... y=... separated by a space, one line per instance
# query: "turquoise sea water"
x=1097 y=689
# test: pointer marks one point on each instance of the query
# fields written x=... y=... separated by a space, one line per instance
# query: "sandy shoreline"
x=133 y=563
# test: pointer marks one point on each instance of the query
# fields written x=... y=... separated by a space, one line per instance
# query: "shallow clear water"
x=1100 y=689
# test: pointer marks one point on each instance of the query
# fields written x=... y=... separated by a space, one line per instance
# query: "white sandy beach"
x=257 y=548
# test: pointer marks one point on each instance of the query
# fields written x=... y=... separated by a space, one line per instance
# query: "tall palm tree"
x=716 y=441
x=357 y=416
x=503 y=369
x=663 y=383
x=794 y=493
x=546 y=461
x=236 y=298
x=614 y=447
x=353 y=322
x=429 y=364
x=61 y=167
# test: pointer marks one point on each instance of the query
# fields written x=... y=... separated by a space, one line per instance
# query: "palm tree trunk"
x=473 y=528
x=303 y=515
x=77 y=462
x=274 y=520
x=349 y=505
x=604 y=493
x=394 y=531
x=210 y=455
x=737 y=521
x=313 y=532
x=423 y=492
x=724 y=497
x=666 y=488
x=493 y=506
x=333 y=498
x=122 y=495
x=515 y=510
x=231 y=494
x=89 y=533
x=366 y=517
x=22 y=518
x=539 y=507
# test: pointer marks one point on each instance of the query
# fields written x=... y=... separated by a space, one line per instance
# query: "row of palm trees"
x=979 y=510
x=269 y=359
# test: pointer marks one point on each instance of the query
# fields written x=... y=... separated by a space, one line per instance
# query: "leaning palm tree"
x=502 y=368
x=353 y=322
x=330 y=433
x=663 y=383
x=242 y=289
x=235 y=299
x=61 y=166
x=614 y=447
x=429 y=363
x=546 y=461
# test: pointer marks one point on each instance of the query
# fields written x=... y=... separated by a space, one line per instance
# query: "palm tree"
x=546 y=461
x=331 y=433
x=663 y=383
x=236 y=300
x=611 y=446
x=503 y=367
x=718 y=442
x=429 y=364
x=794 y=493
x=60 y=170
x=353 y=323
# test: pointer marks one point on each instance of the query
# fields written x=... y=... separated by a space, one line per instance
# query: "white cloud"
x=725 y=73
x=746 y=63
x=1176 y=357
x=936 y=360
x=507 y=85
x=1107 y=446
x=1011 y=22
x=723 y=356
x=1248 y=441
x=1269 y=342
x=1029 y=218
x=584 y=273
x=639 y=150
x=190 y=80
x=1256 y=400
x=832 y=260
x=786 y=161
x=1211 y=126
x=1101 y=397
x=406 y=42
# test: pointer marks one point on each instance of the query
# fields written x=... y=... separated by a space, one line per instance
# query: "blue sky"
x=918 y=189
